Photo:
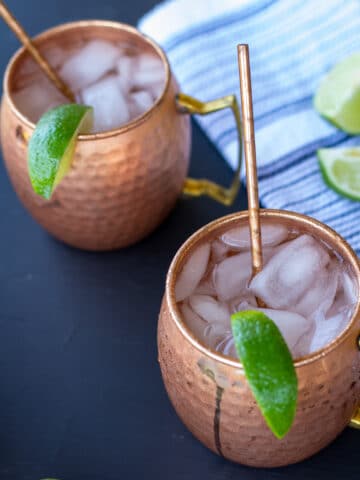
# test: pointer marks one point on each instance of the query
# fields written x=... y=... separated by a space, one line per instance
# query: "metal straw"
x=34 y=52
x=250 y=157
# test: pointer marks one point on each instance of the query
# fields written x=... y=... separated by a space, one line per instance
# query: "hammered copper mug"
x=209 y=390
x=123 y=182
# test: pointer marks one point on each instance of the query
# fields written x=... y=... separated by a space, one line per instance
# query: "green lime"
x=338 y=96
x=341 y=170
x=268 y=367
x=52 y=145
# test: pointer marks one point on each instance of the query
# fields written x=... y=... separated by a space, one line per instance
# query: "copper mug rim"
x=21 y=52
x=229 y=219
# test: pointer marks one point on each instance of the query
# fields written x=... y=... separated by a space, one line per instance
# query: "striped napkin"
x=293 y=43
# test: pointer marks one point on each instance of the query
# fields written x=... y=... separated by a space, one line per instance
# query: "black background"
x=81 y=395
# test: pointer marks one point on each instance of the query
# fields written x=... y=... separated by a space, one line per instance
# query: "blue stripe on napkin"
x=293 y=43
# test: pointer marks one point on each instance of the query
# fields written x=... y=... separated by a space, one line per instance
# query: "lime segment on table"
x=340 y=168
x=268 y=367
x=52 y=145
x=338 y=96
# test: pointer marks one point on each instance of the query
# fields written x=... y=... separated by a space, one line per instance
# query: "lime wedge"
x=338 y=96
x=341 y=170
x=268 y=368
x=52 y=145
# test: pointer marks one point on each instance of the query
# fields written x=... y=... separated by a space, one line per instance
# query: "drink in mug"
x=116 y=78
x=307 y=288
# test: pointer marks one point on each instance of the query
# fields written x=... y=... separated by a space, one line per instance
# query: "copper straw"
x=34 y=52
x=250 y=157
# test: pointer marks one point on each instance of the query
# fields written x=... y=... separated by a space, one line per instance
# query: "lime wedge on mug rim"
x=338 y=96
x=268 y=366
x=340 y=168
x=52 y=145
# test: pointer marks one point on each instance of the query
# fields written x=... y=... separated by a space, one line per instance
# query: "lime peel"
x=268 y=367
x=340 y=168
x=52 y=145
x=338 y=96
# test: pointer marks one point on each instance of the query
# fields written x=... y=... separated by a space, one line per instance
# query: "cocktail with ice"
x=309 y=285
x=309 y=290
x=117 y=79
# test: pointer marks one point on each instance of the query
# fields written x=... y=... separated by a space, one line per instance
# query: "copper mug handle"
x=194 y=187
x=355 y=421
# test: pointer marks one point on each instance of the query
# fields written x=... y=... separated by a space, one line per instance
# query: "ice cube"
x=125 y=66
x=326 y=330
x=89 y=64
x=246 y=301
x=230 y=276
x=349 y=288
x=110 y=107
x=196 y=324
x=37 y=98
x=227 y=346
x=290 y=273
x=28 y=73
x=345 y=297
x=214 y=334
x=239 y=238
x=56 y=56
x=157 y=89
x=319 y=298
x=192 y=272
x=206 y=287
x=218 y=251
x=210 y=310
x=209 y=335
x=293 y=327
x=149 y=71
x=141 y=102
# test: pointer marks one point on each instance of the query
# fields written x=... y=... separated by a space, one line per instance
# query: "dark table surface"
x=81 y=395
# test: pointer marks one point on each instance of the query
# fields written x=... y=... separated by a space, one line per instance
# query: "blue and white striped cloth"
x=293 y=43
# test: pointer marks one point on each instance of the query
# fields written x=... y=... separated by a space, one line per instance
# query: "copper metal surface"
x=123 y=182
x=24 y=38
x=209 y=390
x=250 y=157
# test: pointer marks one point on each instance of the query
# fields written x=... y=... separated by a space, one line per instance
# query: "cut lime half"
x=268 y=366
x=340 y=168
x=338 y=96
x=52 y=145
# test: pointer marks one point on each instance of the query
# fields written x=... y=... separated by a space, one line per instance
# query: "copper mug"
x=123 y=182
x=209 y=390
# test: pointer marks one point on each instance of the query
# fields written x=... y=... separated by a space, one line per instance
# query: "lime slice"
x=341 y=170
x=268 y=368
x=338 y=96
x=52 y=145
